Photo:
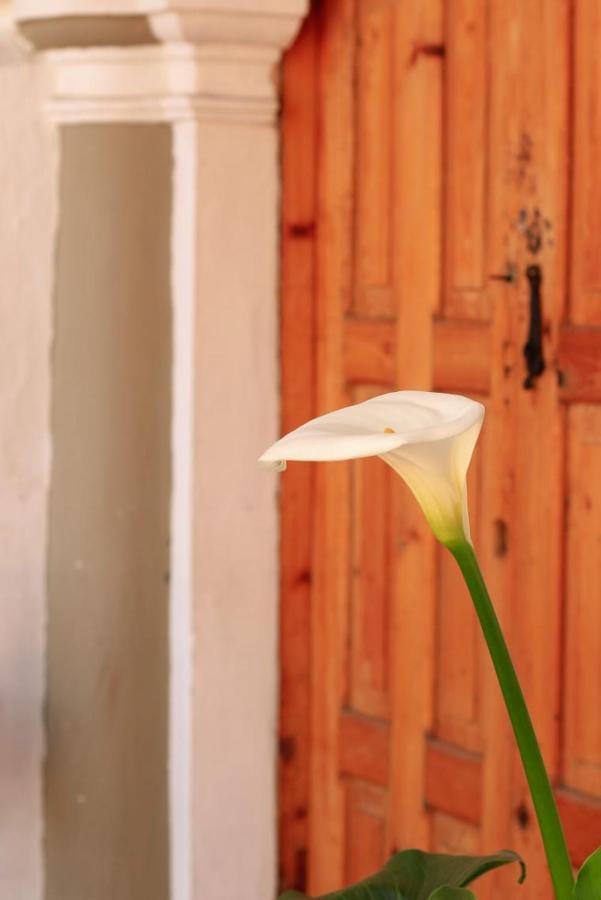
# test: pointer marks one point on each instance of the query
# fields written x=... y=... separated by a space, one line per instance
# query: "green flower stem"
x=540 y=787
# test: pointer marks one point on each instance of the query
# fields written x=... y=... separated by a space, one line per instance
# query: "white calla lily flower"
x=428 y=439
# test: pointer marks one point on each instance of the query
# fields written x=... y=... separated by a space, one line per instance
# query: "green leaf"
x=588 y=880
x=415 y=875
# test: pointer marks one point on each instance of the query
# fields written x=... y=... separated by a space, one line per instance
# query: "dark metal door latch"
x=533 y=348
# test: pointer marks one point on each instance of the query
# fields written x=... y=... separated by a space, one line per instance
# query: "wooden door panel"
x=465 y=125
x=527 y=190
x=330 y=524
x=416 y=208
x=369 y=601
x=428 y=147
x=451 y=835
x=585 y=306
x=582 y=734
x=298 y=265
x=365 y=829
x=459 y=652
x=372 y=295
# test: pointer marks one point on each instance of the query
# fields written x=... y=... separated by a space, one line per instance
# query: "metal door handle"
x=533 y=348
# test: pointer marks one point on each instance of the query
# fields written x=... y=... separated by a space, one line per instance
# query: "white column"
x=28 y=161
x=235 y=559
x=213 y=75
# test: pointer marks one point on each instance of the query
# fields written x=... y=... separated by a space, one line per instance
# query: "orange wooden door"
x=429 y=147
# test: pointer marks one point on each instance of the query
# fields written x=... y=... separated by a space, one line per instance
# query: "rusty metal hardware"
x=510 y=275
x=533 y=348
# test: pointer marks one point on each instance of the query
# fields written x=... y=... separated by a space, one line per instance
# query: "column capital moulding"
x=161 y=60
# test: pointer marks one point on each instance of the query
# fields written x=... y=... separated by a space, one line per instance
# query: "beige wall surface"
x=235 y=548
x=27 y=219
x=108 y=581
x=161 y=692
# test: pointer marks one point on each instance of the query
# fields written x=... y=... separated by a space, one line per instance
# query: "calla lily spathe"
x=427 y=438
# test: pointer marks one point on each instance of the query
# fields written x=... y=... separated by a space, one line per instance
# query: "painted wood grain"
x=373 y=161
x=586 y=208
x=298 y=399
x=417 y=278
x=465 y=99
x=331 y=523
x=429 y=181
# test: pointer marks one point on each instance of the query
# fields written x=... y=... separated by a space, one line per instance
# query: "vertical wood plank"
x=373 y=165
x=298 y=372
x=586 y=211
x=537 y=524
x=498 y=472
x=457 y=659
x=331 y=531
x=465 y=159
x=459 y=653
x=366 y=830
x=450 y=835
x=582 y=732
x=528 y=191
x=417 y=255
x=371 y=584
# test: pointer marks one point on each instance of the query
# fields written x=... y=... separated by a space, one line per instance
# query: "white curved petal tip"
x=275 y=465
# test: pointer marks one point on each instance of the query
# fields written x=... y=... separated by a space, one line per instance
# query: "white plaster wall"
x=39 y=8
x=28 y=161
x=224 y=601
x=235 y=558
